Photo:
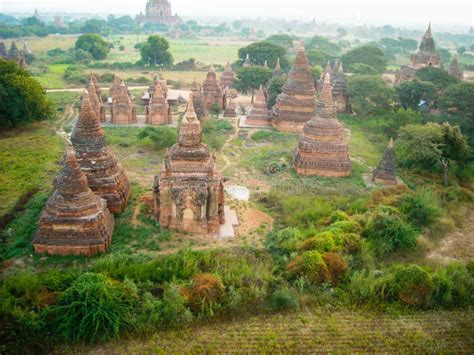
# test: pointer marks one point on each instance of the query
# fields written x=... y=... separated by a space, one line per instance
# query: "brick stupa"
x=74 y=221
x=123 y=108
x=386 y=171
x=213 y=93
x=104 y=173
x=339 y=89
x=259 y=114
x=189 y=192
x=199 y=101
x=454 y=69
x=322 y=150
x=158 y=111
x=227 y=77
x=296 y=104
x=230 y=110
x=95 y=83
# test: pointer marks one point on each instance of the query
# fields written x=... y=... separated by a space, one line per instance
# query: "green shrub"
x=322 y=242
x=284 y=240
x=95 y=308
x=215 y=132
x=337 y=216
x=352 y=243
x=284 y=299
x=336 y=265
x=420 y=208
x=311 y=265
x=205 y=294
x=411 y=285
x=390 y=233
x=368 y=287
x=161 y=136
x=173 y=310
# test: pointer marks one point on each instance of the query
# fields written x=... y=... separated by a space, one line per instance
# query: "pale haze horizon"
x=455 y=14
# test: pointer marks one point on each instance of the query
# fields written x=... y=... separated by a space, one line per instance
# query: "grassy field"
x=206 y=50
x=29 y=159
x=317 y=330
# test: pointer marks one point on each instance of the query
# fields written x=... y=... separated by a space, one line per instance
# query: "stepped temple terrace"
x=189 y=192
x=322 y=149
x=339 y=90
x=295 y=105
x=425 y=57
x=14 y=54
x=259 y=114
x=386 y=171
x=104 y=173
x=74 y=221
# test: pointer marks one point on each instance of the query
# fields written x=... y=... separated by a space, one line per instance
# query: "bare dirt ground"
x=457 y=245
x=318 y=330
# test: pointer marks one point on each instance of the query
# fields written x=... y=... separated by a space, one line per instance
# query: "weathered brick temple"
x=104 y=173
x=386 y=171
x=189 y=191
x=295 y=105
x=74 y=221
x=259 y=114
x=322 y=149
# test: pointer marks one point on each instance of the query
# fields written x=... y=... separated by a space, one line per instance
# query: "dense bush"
x=284 y=299
x=95 y=308
x=97 y=46
x=311 y=266
x=411 y=285
x=389 y=232
x=420 y=209
x=162 y=136
x=336 y=265
x=205 y=294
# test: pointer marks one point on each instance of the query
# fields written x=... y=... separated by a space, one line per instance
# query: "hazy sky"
x=403 y=12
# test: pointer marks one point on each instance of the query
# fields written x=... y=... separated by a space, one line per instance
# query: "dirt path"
x=66 y=117
x=457 y=245
x=227 y=162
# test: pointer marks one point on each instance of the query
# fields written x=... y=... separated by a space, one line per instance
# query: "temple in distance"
x=159 y=12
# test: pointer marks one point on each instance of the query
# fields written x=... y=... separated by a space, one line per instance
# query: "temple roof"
x=325 y=106
x=427 y=43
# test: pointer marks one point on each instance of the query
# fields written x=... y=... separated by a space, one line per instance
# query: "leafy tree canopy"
x=363 y=69
x=439 y=77
x=323 y=44
x=260 y=52
x=94 y=26
x=319 y=57
x=410 y=93
x=97 y=46
x=22 y=98
x=366 y=54
x=251 y=78
x=283 y=40
x=460 y=98
x=370 y=94
x=275 y=87
x=156 y=52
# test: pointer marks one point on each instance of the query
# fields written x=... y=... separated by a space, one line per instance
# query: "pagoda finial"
x=428 y=33
x=190 y=112
x=212 y=69
x=278 y=65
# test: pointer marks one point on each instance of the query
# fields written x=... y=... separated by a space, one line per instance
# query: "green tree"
x=363 y=69
x=162 y=137
x=323 y=44
x=444 y=54
x=370 y=94
x=260 y=52
x=439 y=77
x=431 y=147
x=283 y=40
x=22 y=98
x=94 y=44
x=366 y=54
x=459 y=98
x=275 y=87
x=319 y=57
x=94 y=26
x=341 y=32
x=251 y=78
x=461 y=50
x=155 y=51
x=410 y=93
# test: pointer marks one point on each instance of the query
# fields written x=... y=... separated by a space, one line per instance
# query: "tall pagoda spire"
x=104 y=173
x=296 y=105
